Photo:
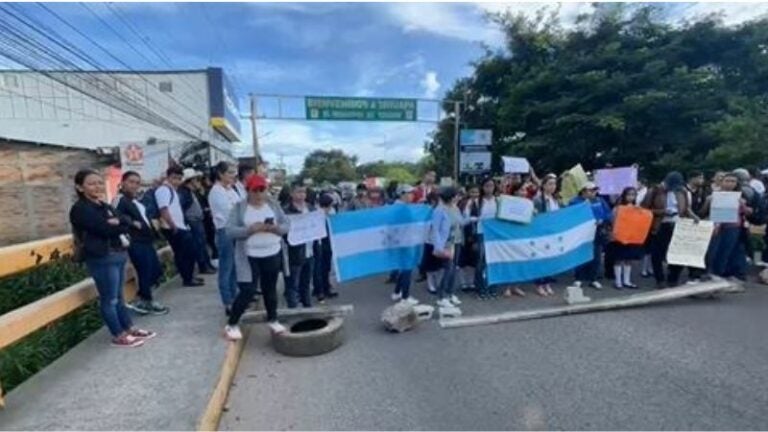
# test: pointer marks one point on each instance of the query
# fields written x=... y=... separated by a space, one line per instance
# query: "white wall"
x=36 y=108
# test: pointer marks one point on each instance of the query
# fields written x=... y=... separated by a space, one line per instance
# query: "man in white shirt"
x=175 y=229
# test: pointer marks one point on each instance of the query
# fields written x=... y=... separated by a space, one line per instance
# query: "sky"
x=411 y=50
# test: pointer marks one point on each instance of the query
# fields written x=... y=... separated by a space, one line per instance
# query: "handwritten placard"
x=306 y=227
x=690 y=242
x=514 y=209
x=514 y=165
x=725 y=207
x=613 y=181
x=573 y=180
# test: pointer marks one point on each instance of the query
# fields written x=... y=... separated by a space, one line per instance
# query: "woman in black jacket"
x=142 y=249
x=101 y=239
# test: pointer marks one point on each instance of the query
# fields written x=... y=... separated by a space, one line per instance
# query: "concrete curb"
x=209 y=420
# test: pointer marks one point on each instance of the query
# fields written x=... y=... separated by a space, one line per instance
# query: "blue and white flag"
x=369 y=242
x=552 y=243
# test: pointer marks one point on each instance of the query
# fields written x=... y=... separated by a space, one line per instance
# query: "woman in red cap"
x=257 y=226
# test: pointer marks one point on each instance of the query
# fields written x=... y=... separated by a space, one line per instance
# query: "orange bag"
x=632 y=225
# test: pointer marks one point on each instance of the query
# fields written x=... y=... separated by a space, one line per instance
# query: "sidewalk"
x=164 y=385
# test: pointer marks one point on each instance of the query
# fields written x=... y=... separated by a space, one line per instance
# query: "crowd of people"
x=231 y=223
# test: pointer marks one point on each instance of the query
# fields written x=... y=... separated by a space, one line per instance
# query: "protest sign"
x=514 y=209
x=612 y=181
x=725 y=207
x=306 y=227
x=573 y=180
x=513 y=165
x=690 y=241
x=632 y=225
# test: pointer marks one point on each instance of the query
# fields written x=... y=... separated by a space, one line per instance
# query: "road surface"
x=691 y=364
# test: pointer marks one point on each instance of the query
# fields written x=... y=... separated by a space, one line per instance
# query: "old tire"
x=310 y=336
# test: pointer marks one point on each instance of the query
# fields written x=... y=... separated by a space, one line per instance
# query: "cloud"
x=733 y=13
x=430 y=84
x=451 y=20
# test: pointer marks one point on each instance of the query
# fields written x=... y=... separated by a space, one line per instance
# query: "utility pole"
x=456 y=147
x=256 y=153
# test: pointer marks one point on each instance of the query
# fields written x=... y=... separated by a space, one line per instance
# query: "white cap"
x=190 y=173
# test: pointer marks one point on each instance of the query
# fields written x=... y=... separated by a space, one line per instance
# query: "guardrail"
x=19 y=323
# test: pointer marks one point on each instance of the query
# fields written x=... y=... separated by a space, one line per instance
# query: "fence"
x=21 y=322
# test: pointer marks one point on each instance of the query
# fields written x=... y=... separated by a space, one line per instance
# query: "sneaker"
x=455 y=300
x=549 y=289
x=127 y=341
x=412 y=301
x=542 y=291
x=396 y=297
x=444 y=303
x=596 y=285
x=518 y=292
x=139 y=306
x=142 y=334
x=156 y=308
x=233 y=332
x=276 y=327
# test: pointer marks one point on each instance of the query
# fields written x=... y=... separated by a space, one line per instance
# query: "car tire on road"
x=310 y=337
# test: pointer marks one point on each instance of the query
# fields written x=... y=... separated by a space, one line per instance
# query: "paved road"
x=692 y=364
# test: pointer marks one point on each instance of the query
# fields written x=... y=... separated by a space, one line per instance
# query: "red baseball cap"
x=255 y=182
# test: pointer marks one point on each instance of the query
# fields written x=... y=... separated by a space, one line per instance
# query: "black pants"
x=210 y=235
x=659 y=247
x=183 y=247
x=321 y=278
x=264 y=272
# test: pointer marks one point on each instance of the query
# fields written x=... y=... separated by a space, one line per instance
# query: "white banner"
x=514 y=209
x=690 y=242
x=514 y=165
x=307 y=227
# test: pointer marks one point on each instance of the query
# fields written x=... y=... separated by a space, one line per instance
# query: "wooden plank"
x=314 y=312
x=641 y=299
x=209 y=420
x=24 y=256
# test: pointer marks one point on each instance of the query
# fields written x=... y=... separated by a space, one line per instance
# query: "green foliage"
x=621 y=87
x=332 y=166
x=36 y=351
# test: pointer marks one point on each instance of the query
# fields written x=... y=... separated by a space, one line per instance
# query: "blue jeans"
x=109 y=274
x=148 y=267
x=447 y=283
x=183 y=253
x=589 y=272
x=201 y=247
x=297 y=285
x=403 y=283
x=727 y=254
x=227 y=273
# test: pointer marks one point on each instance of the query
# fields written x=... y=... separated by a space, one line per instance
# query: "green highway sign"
x=363 y=109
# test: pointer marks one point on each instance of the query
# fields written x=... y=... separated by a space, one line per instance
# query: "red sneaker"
x=127 y=341
x=142 y=334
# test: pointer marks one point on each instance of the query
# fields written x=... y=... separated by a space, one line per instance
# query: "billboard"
x=475 y=162
x=475 y=137
x=223 y=105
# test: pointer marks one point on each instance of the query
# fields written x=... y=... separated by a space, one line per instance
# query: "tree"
x=332 y=166
x=621 y=87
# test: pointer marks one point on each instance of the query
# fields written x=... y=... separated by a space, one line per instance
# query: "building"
x=53 y=123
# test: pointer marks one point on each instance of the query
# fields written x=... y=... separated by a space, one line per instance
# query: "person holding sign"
x=668 y=202
x=727 y=256
x=626 y=253
x=257 y=226
x=486 y=208
x=300 y=256
x=322 y=275
x=590 y=271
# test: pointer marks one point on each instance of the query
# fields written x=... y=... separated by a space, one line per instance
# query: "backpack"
x=759 y=205
x=150 y=202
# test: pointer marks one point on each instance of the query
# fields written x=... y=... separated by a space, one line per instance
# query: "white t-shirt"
x=167 y=197
x=552 y=204
x=222 y=200
x=263 y=244
x=488 y=211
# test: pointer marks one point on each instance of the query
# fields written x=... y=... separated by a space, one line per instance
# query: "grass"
x=23 y=359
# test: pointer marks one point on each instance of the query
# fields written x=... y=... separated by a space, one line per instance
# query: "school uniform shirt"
x=488 y=209
x=166 y=196
x=221 y=201
x=262 y=244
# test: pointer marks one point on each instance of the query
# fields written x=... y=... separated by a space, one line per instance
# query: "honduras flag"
x=369 y=242
x=552 y=243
